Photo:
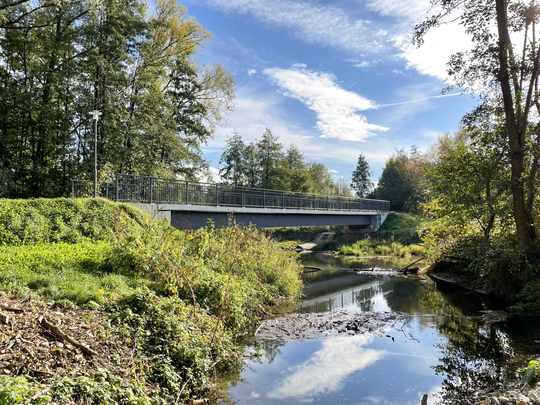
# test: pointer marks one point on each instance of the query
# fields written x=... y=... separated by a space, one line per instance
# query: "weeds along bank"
x=162 y=308
x=397 y=237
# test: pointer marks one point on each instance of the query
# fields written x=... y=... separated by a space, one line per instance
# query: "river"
x=449 y=345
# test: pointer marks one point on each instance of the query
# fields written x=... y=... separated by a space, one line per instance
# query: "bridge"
x=189 y=204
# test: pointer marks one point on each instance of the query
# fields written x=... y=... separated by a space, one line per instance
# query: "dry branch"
x=12 y=309
x=56 y=330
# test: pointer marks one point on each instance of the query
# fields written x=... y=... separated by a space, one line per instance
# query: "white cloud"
x=328 y=26
x=214 y=173
x=337 y=109
x=327 y=368
x=251 y=72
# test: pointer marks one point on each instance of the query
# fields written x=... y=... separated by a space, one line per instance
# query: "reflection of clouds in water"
x=327 y=368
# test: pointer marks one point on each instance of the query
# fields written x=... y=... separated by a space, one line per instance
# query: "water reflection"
x=326 y=369
x=443 y=349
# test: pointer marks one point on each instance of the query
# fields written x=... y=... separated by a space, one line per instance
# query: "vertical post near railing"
x=151 y=190
x=283 y=199
x=313 y=201
x=107 y=191
x=327 y=203
x=264 y=198
x=117 y=187
x=217 y=195
x=187 y=191
x=242 y=202
x=72 y=188
x=350 y=200
x=339 y=203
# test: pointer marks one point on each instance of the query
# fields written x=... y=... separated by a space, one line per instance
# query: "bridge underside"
x=194 y=217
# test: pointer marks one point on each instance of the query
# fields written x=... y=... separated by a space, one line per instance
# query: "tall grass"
x=189 y=293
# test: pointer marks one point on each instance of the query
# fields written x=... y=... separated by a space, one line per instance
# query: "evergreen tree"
x=361 y=181
x=233 y=159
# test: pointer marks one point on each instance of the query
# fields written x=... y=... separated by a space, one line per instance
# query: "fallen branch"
x=12 y=309
x=4 y=318
x=409 y=265
x=56 y=330
x=40 y=393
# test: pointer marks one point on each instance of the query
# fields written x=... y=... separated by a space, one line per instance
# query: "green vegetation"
x=138 y=62
x=185 y=297
x=370 y=247
x=264 y=164
x=397 y=236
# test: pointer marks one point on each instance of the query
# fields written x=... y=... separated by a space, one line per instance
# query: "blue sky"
x=334 y=78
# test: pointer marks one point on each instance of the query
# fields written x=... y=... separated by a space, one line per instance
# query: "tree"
x=361 y=181
x=297 y=174
x=508 y=76
x=139 y=69
x=270 y=157
x=251 y=165
x=402 y=181
x=233 y=159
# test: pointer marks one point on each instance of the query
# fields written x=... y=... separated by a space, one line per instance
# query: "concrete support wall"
x=155 y=211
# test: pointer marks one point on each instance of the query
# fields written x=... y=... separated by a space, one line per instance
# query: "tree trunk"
x=515 y=138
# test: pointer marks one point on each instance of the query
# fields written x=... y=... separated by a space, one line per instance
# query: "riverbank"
x=101 y=302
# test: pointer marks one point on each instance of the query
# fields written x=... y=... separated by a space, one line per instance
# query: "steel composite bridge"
x=190 y=204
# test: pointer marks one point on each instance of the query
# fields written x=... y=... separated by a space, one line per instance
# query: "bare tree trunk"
x=515 y=137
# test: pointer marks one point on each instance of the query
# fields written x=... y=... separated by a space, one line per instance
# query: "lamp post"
x=95 y=116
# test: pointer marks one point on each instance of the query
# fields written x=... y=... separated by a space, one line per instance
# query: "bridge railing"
x=155 y=190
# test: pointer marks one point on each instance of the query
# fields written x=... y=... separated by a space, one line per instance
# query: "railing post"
x=339 y=203
x=217 y=195
x=72 y=188
x=117 y=187
x=313 y=202
x=264 y=198
x=151 y=190
x=283 y=200
x=187 y=191
x=327 y=203
x=107 y=191
x=242 y=202
x=350 y=200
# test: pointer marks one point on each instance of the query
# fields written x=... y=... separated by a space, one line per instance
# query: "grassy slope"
x=397 y=237
x=182 y=297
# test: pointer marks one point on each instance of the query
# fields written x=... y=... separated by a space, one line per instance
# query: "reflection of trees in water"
x=476 y=357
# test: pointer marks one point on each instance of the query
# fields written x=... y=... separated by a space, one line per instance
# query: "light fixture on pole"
x=95 y=116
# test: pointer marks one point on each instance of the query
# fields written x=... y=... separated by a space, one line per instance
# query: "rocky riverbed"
x=316 y=326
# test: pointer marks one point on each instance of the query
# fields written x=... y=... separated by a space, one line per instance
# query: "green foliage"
x=140 y=69
x=361 y=181
x=531 y=373
x=264 y=164
x=29 y=222
x=16 y=390
x=402 y=181
x=370 y=247
x=184 y=297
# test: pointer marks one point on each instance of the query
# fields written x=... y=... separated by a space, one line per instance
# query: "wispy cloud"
x=419 y=100
x=327 y=368
x=327 y=26
x=337 y=109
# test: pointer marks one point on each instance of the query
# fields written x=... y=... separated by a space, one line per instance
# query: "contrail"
x=420 y=99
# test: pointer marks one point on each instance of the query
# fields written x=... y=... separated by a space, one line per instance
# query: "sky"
x=335 y=78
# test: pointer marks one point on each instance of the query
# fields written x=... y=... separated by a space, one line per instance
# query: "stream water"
x=444 y=347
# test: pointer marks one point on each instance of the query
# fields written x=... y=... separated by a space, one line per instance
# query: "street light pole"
x=95 y=116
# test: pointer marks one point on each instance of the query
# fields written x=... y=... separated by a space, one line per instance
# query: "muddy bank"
x=316 y=326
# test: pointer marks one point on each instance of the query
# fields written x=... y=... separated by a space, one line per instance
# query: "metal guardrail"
x=154 y=190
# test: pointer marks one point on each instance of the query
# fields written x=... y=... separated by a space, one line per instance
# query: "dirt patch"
x=305 y=327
